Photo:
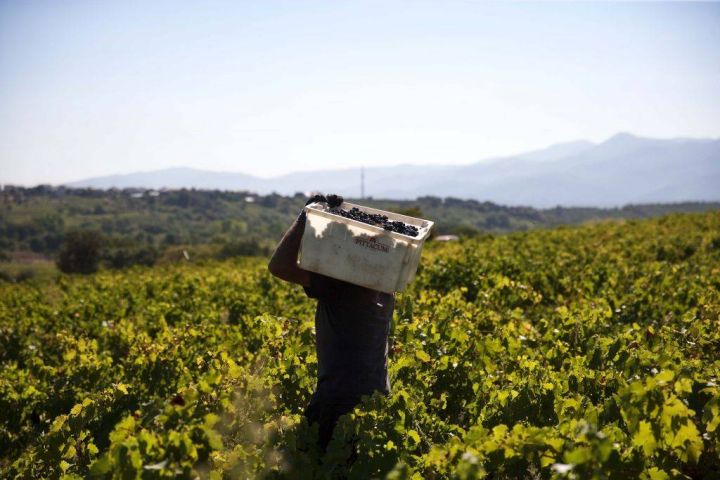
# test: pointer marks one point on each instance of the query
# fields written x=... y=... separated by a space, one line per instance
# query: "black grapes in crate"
x=378 y=220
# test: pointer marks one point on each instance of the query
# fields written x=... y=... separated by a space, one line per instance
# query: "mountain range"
x=624 y=169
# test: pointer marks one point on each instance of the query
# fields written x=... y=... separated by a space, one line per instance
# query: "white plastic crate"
x=359 y=253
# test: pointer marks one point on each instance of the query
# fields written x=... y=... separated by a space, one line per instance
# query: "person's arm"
x=283 y=263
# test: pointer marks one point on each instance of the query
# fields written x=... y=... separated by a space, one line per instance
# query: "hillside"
x=621 y=170
x=145 y=226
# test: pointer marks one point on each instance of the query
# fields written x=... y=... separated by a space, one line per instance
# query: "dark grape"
x=316 y=198
x=378 y=220
x=334 y=200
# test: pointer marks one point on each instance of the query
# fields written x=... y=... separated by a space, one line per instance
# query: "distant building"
x=446 y=238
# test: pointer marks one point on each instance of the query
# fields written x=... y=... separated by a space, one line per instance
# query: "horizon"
x=95 y=89
x=355 y=168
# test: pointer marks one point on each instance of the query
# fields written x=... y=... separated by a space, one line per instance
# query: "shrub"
x=80 y=252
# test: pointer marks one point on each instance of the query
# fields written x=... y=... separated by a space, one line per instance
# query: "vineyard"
x=583 y=352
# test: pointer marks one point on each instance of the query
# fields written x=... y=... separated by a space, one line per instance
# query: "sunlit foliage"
x=588 y=352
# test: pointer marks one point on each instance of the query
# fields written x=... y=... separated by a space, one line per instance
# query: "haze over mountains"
x=621 y=170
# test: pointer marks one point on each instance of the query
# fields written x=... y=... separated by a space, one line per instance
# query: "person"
x=352 y=325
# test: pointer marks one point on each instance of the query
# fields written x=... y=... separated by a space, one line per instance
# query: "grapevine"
x=589 y=352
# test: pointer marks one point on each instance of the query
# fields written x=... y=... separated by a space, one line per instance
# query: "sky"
x=91 y=88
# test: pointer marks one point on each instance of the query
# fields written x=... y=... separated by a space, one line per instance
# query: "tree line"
x=84 y=229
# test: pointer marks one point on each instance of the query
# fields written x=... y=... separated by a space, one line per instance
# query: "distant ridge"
x=623 y=169
x=178 y=177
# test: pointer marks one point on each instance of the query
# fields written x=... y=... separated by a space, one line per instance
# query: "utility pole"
x=362 y=183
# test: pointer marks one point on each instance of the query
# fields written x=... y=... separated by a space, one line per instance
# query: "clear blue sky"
x=99 y=87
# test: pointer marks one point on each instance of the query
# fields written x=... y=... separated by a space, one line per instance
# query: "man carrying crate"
x=352 y=324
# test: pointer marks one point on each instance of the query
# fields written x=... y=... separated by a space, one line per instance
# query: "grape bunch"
x=378 y=220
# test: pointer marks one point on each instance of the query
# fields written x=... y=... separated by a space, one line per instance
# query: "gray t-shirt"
x=352 y=324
